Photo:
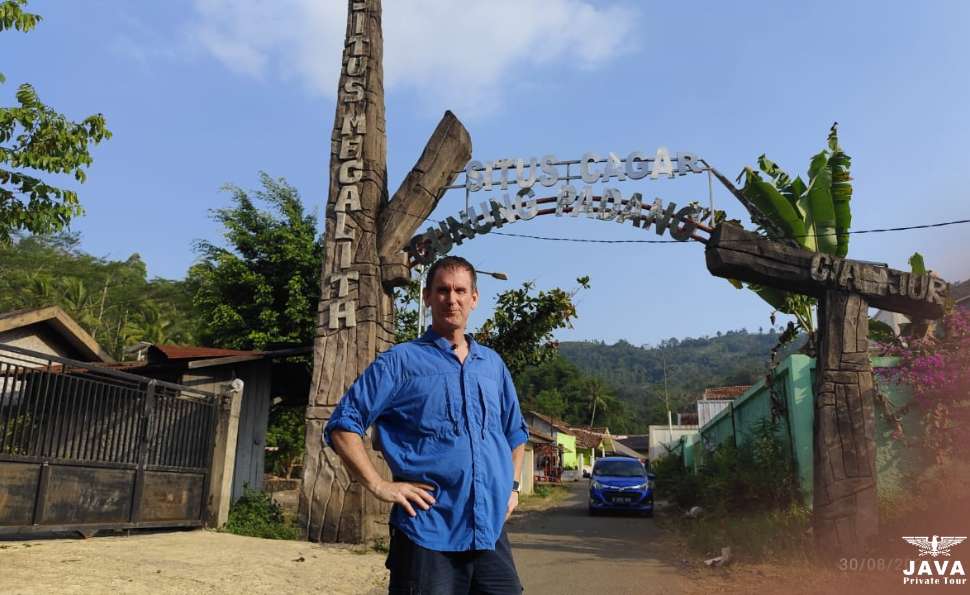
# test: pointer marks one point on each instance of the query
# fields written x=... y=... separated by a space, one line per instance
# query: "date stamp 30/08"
x=869 y=564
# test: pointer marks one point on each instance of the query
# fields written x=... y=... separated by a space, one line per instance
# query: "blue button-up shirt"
x=447 y=424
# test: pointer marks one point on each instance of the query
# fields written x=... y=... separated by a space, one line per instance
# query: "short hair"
x=451 y=262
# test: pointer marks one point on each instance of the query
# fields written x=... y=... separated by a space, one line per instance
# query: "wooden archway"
x=369 y=248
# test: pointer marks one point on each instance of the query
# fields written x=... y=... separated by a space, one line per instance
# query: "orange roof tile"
x=725 y=392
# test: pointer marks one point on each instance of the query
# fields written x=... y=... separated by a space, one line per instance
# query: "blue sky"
x=199 y=93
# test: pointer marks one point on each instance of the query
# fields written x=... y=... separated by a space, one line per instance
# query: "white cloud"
x=455 y=54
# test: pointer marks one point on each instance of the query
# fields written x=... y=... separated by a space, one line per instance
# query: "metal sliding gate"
x=85 y=448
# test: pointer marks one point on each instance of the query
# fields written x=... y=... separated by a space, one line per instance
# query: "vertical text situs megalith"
x=363 y=262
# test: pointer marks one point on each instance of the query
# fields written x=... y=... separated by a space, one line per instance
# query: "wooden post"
x=224 y=455
x=844 y=491
x=363 y=262
x=846 y=508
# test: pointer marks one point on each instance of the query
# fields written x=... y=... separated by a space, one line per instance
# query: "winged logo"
x=935 y=546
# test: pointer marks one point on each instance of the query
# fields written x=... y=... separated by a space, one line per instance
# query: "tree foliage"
x=33 y=136
x=937 y=368
x=635 y=374
x=262 y=290
x=285 y=439
x=521 y=328
x=113 y=300
x=558 y=388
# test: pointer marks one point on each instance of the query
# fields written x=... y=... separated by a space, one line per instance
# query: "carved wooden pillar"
x=844 y=497
x=355 y=319
x=363 y=262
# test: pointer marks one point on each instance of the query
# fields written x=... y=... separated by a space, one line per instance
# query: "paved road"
x=563 y=551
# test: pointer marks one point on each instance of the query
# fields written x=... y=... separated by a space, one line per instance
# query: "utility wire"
x=589 y=241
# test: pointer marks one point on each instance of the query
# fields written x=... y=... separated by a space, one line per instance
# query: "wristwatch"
x=515 y=486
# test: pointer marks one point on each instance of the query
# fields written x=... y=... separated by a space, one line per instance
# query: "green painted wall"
x=793 y=380
x=568 y=444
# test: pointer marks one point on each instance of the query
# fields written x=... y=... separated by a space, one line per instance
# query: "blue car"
x=620 y=483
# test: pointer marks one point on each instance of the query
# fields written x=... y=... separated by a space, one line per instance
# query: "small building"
x=536 y=446
x=589 y=446
x=52 y=332
x=550 y=440
x=960 y=294
x=264 y=378
x=638 y=443
x=715 y=400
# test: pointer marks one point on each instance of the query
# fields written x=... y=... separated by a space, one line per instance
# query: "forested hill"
x=636 y=373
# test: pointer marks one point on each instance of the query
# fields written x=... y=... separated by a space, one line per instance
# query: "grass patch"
x=750 y=496
x=542 y=497
x=257 y=515
x=770 y=536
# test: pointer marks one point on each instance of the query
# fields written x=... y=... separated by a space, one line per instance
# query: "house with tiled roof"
x=717 y=393
x=716 y=399
x=550 y=442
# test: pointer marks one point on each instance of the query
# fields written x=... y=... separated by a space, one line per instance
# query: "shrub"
x=256 y=515
x=757 y=475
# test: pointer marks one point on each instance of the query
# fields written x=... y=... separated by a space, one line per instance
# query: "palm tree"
x=598 y=393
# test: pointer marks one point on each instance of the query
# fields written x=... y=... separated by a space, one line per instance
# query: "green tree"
x=112 y=300
x=284 y=436
x=33 y=136
x=558 y=388
x=814 y=216
x=521 y=328
x=406 y=312
x=261 y=290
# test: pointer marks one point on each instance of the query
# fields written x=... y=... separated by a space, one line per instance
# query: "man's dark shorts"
x=419 y=571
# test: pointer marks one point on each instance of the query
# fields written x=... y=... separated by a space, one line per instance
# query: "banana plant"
x=815 y=216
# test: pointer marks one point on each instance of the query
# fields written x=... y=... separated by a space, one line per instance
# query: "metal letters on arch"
x=608 y=205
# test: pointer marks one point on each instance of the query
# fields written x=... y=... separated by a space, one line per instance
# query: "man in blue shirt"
x=448 y=422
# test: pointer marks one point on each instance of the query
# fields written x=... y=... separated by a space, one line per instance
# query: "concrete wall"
x=253 y=416
x=528 y=477
x=568 y=443
x=708 y=408
x=793 y=382
x=666 y=435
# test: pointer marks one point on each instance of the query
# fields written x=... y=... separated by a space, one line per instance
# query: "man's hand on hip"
x=405 y=493
x=513 y=503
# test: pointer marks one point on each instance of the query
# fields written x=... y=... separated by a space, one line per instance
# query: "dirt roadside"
x=187 y=562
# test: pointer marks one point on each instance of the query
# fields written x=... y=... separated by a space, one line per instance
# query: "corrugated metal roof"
x=192 y=352
x=725 y=392
x=638 y=442
x=960 y=292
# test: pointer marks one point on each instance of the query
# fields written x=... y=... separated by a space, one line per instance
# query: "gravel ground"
x=187 y=562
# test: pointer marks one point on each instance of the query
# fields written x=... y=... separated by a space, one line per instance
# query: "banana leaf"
x=796 y=192
x=820 y=203
x=772 y=170
x=775 y=297
x=839 y=165
x=773 y=204
x=917 y=264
